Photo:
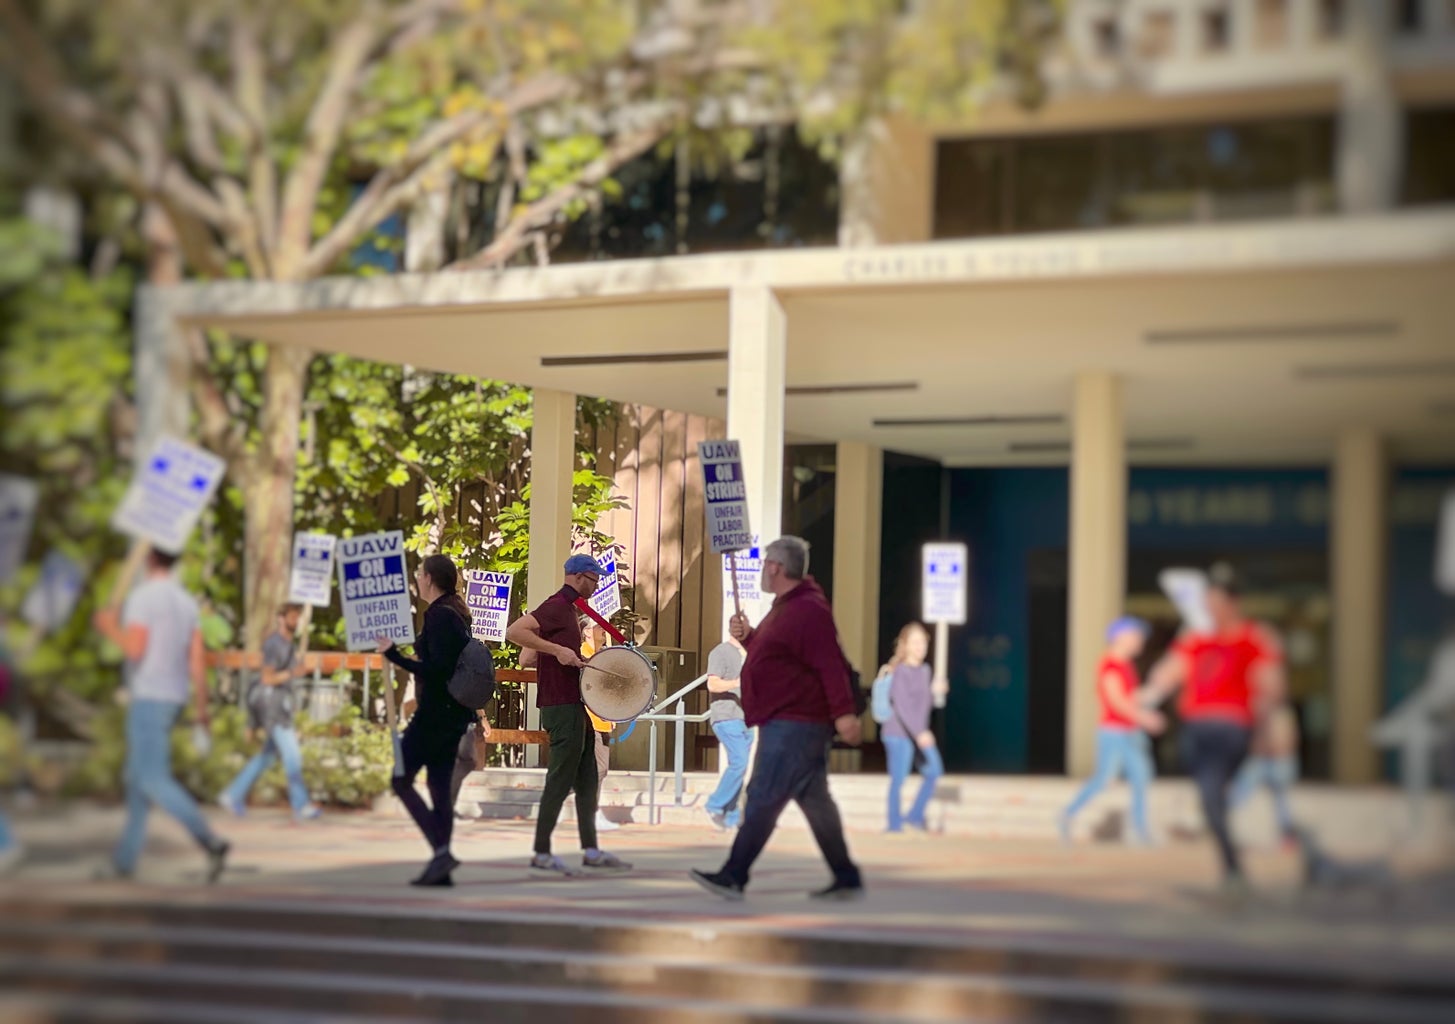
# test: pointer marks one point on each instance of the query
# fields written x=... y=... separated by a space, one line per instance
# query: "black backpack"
x=473 y=682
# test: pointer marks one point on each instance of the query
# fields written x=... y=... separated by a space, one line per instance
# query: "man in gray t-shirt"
x=724 y=666
x=159 y=632
x=271 y=704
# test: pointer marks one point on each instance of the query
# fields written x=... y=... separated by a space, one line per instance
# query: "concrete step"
x=403 y=964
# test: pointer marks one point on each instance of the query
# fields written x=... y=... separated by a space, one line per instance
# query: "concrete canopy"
x=1250 y=344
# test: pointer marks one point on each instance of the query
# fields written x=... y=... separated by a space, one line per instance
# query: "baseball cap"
x=1125 y=623
x=583 y=563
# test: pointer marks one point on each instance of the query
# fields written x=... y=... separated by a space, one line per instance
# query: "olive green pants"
x=572 y=766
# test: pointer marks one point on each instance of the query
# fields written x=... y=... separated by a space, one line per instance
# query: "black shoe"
x=718 y=884
x=839 y=892
x=437 y=871
x=424 y=881
x=217 y=861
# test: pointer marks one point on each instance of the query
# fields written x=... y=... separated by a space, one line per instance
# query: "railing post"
x=677 y=758
x=652 y=776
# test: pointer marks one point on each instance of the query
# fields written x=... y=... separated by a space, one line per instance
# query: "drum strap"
x=591 y=614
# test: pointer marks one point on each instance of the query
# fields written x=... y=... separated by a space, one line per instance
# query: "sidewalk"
x=929 y=889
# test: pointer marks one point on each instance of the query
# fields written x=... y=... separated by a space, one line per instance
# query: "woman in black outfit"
x=439 y=721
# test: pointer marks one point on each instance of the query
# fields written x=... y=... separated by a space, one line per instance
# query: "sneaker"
x=310 y=813
x=232 y=805
x=111 y=872
x=217 y=860
x=547 y=864
x=718 y=884
x=839 y=893
x=439 y=882
x=603 y=861
x=605 y=824
x=718 y=819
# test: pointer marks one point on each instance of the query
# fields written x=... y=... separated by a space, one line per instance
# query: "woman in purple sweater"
x=908 y=730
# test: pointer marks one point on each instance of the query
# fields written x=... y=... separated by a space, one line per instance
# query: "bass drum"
x=618 y=684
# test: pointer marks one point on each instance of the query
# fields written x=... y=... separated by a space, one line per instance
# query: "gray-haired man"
x=796 y=689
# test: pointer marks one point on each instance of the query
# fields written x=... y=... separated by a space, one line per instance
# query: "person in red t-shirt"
x=1121 y=744
x=1230 y=678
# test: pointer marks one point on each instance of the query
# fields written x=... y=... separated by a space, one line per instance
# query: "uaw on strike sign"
x=375 y=589
x=727 y=496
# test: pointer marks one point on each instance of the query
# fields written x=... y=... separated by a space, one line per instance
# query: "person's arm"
x=1125 y=705
x=197 y=662
x=390 y=650
x=717 y=684
x=529 y=658
x=1167 y=676
x=1270 y=681
x=740 y=630
x=525 y=633
x=131 y=638
x=820 y=648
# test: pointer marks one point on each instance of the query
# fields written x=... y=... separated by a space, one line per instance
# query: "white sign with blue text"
x=726 y=494
x=750 y=572
x=606 y=602
x=51 y=601
x=18 y=498
x=945 y=594
x=168 y=493
x=312 y=579
x=487 y=594
x=375 y=590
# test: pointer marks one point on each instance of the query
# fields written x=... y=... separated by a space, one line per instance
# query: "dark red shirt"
x=555 y=683
x=795 y=669
x=1219 y=672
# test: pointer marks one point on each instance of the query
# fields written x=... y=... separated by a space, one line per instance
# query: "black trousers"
x=1213 y=751
x=430 y=744
x=792 y=764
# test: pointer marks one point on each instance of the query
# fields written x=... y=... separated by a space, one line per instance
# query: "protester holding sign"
x=271 y=705
x=159 y=632
x=433 y=734
x=797 y=691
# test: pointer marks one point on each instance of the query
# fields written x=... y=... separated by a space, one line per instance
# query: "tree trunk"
x=268 y=493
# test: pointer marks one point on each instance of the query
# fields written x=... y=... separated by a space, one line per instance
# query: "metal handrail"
x=680 y=716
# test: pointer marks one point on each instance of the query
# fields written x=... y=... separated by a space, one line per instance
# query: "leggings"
x=1213 y=751
x=431 y=745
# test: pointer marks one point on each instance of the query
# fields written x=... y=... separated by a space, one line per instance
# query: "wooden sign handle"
x=733 y=571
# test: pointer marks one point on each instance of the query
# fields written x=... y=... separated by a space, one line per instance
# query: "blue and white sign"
x=312 y=578
x=945 y=593
x=726 y=494
x=1187 y=589
x=606 y=602
x=51 y=601
x=488 y=596
x=750 y=573
x=18 y=498
x=375 y=590
x=168 y=493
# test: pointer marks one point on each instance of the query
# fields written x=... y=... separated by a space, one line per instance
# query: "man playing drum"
x=554 y=631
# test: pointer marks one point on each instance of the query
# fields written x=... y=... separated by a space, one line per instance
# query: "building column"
x=1371 y=122
x=757 y=351
x=552 y=466
x=1098 y=555
x=888 y=185
x=1358 y=539
x=858 y=504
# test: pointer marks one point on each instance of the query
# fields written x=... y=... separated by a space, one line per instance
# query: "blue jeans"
x=1279 y=775
x=6 y=839
x=148 y=777
x=792 y=764
x=1119 y=751
x=899 y=751
x=737 y=746
x=282 y=744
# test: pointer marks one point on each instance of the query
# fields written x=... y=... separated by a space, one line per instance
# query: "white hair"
x=791 y=553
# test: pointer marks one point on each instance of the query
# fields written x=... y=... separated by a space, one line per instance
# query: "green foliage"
x=347 y=762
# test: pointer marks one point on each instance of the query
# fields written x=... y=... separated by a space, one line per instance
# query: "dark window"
x=1214 y=172
x=1331 y=18
x=1108 y=37
x=1216 y=33
x=1429 y=166
x=1408 y=17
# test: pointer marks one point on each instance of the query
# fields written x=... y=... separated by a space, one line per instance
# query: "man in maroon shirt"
x=554 y=632
x=796 y=690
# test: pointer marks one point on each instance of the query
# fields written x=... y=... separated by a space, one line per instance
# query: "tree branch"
x=250 y=89
x=509 y=240
x=321 y=133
